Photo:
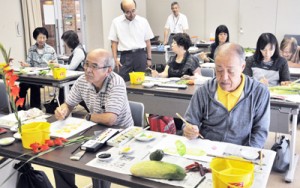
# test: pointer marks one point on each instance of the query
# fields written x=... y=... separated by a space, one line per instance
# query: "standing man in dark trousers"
x=176 y=23
x=130 y=34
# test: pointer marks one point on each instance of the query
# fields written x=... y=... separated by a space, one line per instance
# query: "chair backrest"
x=138 y=113
x=3 y=97
x=207 y=72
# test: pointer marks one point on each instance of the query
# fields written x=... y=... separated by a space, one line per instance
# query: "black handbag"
x=283 y=155
x=50 y=106
x=30 y=178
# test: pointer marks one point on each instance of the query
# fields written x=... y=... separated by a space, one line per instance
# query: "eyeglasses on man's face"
x=93 y=66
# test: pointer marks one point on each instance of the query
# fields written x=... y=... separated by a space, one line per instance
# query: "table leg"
x=289 y=177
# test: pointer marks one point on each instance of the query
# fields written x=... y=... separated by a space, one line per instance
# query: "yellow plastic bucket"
x=137 y=77
x=35 y=132
x=228 y=173
x=59 y=73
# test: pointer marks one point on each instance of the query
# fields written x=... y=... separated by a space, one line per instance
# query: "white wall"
x=10 y=15
x=93 y=24
x=227 y=15
x=205 y=15
x=159 y=10
x=288 y=18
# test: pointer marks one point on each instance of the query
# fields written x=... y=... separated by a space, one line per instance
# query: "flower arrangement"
x=39 y=150
x=9 y=80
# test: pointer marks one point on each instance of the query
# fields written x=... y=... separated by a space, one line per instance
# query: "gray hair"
x=109 y=62
x=231 y=47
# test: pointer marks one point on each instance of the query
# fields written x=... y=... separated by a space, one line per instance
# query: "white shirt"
x=177 y=24
x=78 y=57
x=130 y=34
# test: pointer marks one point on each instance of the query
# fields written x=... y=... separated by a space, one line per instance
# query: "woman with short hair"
x=183 y=64
x=39 y=55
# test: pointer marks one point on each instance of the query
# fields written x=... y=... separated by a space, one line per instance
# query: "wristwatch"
x=149 y=59
x=88 y=117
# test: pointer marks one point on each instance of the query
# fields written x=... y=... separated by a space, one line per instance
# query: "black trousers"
x=134 y=61
x=35 y=95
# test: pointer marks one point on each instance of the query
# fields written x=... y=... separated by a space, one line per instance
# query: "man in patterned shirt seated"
x=104 y=93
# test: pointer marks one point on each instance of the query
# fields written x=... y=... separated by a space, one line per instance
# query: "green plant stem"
x=75 y=140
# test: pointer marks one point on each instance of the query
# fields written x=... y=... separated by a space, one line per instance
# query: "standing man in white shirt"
x=130 y=34
x=176 y=23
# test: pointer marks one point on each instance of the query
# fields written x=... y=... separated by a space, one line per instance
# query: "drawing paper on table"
x=195 y=149
x=69 y=127
x=32 y=115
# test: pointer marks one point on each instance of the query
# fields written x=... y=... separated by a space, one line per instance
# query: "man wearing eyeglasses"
x=130 y=34
x=104 y=93
x=176 y=23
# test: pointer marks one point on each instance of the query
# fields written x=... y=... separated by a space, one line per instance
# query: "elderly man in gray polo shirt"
x=104 y=93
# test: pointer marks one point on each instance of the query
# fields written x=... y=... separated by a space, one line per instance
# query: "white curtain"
x=32 y=18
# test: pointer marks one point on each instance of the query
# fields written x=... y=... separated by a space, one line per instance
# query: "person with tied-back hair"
x=130 y=34
x=104 y=93
x=221 y=37
x=290 y=50
x=232 y=107
x=75 y=61
x=266 y=65
x=78 y=54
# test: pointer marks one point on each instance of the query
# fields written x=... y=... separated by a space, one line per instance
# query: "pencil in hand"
x=187 y=124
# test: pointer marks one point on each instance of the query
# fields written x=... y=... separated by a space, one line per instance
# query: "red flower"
x=63 y=139
x=36 y=150
x=20 y=102
x=58 y=142
x=44 y=147
x=14 y=91
x=11 y=80
x=34 y=145
x=50 y=143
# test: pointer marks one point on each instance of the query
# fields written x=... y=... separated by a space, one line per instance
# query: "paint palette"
x=124 y=136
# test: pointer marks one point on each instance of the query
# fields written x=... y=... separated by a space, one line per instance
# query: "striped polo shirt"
x=112 y=97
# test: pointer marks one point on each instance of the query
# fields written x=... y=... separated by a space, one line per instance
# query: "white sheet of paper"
x=69 y=127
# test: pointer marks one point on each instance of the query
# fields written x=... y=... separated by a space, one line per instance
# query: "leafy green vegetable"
x=292 y=89
x=249 y=50
x=43 y=72
x=51 y=66
x=182 y=82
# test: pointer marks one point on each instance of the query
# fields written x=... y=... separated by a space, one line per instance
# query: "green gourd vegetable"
x=158 y=170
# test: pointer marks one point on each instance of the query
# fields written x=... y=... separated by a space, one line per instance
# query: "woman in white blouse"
x=78 y=55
